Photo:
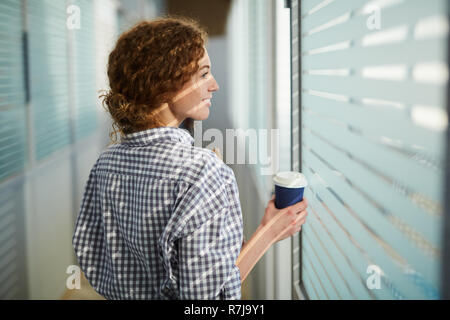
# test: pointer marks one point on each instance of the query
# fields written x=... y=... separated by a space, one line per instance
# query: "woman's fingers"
x=293 y=217
x=294 y=209
x=300 y=218
x=301 y=222
x=271 y=205
x=298 y=226
x=298 y=207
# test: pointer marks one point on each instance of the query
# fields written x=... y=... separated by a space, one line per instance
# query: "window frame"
x=298 y=288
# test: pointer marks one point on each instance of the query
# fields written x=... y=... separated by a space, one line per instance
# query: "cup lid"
x=290 y=179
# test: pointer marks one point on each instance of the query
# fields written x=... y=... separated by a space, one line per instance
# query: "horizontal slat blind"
x=13 y=132
x=84 y=69
x=373 y=128
x=49 y=75
x=13 y=151
x=12 y=243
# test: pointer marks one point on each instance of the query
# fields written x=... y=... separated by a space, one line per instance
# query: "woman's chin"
x=203 y=115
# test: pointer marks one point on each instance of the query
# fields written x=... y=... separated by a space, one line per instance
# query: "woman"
x=160 y=218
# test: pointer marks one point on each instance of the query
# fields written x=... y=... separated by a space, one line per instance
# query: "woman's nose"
x=214 y=85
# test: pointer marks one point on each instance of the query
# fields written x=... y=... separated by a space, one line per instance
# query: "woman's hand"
x=294 y=218
x=276 y=225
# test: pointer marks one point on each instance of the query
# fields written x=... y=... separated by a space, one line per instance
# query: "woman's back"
x=160 y=219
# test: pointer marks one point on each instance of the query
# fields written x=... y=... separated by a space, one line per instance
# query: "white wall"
x=48 y=195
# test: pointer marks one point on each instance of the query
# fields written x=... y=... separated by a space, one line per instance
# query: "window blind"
x=13 y=142
x=48 y=75
x=13 y=272
x=84 y=71
x=13 y=151
x=373 y=77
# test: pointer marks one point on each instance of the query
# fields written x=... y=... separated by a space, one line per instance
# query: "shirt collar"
x=154 y=135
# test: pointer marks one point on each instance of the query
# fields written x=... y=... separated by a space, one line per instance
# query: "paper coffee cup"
x=289 y=188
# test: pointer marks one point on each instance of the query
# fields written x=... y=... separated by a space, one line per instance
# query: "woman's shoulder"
x=184 y=163
x=212 y=167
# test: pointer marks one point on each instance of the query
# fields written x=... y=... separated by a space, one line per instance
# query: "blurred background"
x=357 y=89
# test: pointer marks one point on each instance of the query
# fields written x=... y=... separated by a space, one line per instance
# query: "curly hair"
x=149 y=64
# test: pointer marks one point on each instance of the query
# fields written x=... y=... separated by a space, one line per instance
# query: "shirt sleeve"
x=88 y=233
x=209 y=240
x=207 y=256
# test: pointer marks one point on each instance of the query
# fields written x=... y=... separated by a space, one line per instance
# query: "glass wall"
x=53 y=60
x=373 y=121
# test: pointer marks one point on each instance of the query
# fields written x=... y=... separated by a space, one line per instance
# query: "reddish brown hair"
x=150 y=63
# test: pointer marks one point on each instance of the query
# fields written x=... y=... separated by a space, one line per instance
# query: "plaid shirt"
x=160 y=219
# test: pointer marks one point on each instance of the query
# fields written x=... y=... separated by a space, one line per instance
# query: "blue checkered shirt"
x=160 y=219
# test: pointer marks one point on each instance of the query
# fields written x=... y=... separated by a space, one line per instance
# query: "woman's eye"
x=204 y=75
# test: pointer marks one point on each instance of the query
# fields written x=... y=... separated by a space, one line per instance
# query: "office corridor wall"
x=53 y=60
x=51 y=135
